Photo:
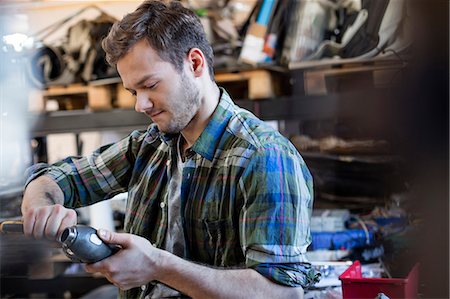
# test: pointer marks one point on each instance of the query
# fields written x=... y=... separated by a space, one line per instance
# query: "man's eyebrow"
x=142 y=80
x=145 y=78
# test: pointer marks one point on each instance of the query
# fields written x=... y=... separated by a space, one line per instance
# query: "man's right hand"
x=48 y=221
x=43 y=214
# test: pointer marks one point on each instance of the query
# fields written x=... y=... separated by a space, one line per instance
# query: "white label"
x=95 y=239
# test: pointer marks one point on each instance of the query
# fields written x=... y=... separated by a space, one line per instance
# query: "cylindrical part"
x=81 y=243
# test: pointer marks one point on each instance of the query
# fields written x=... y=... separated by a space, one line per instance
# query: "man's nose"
x=143 y=103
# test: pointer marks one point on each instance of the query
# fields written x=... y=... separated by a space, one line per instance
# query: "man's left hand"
x=134 y=265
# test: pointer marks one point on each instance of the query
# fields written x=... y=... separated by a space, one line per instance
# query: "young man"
x=218 y=203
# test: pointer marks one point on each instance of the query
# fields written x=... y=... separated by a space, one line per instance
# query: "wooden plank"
x=260 y=85
x=259 y=82
x=99 y=97
x=315 y=81
x=63 y=90
x=330 y=62
x=124 y=99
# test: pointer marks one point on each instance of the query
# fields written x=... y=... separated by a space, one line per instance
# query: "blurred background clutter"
x=360 y=87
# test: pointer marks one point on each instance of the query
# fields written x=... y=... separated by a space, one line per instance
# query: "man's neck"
x=195 y=128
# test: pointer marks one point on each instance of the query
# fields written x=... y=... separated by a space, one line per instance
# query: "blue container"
x=344 y=240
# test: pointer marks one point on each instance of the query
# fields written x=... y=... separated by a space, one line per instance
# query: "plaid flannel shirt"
x=246 y=193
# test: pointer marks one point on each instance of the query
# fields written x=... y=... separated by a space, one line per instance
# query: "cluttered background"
x=358 y=86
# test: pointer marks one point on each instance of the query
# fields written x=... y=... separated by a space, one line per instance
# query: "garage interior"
x=359 y=87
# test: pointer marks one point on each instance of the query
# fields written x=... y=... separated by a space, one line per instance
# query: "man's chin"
x=167 y=130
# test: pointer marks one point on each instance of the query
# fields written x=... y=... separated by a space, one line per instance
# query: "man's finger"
x=53 y=223
x=28 y=223
x=94 y=267
x=114 y=238
x=40 y=223
x=69 y=219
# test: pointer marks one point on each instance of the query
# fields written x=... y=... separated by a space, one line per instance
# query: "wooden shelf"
x=83 y=121
x=279 y=108
x=389 y=61
x=97 y=96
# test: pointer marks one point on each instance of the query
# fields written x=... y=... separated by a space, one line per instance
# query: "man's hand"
x=42 y=212
x=48 y=221
x=134 y=265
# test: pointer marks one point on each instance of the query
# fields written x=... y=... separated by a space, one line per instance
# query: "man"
x=218 y=203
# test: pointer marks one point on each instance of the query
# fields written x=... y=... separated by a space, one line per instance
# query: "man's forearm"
x=200 y=281
x=42 y=191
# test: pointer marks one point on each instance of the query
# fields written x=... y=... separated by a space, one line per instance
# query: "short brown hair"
x=171 y=29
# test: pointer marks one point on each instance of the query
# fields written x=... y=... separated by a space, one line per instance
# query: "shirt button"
x=143 y=287
x=162 y=205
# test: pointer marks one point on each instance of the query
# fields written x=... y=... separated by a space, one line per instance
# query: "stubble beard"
x=187 y=106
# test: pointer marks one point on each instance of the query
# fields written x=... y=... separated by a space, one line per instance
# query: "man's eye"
x=152 y=86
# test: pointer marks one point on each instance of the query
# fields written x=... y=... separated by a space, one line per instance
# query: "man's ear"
x=197 y=62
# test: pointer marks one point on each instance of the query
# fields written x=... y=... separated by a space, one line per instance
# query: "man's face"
x=171 y=99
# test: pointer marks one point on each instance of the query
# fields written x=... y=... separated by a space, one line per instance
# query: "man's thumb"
x=113 y=238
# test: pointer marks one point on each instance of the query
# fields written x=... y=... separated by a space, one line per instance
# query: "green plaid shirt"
x=246 y=193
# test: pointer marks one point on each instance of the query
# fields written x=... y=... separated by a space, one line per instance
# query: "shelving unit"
x=361 y=108
x=287 y=98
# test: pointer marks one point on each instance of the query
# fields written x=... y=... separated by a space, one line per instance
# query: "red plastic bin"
x=354 y=286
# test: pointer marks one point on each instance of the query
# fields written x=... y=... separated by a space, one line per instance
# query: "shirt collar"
x=209 y=139
x=153 y=134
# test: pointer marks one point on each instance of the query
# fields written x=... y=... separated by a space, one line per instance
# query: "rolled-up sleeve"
x=290 y=274
x=87 y=180
x=275 y=218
